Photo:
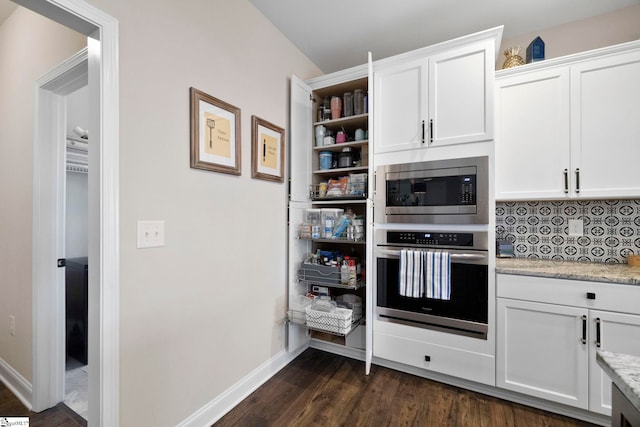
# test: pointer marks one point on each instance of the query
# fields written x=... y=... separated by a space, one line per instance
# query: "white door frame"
x=102 y=55
x=49 y=197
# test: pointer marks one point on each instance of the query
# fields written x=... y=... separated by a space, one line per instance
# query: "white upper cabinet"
x=436 y=96
x=605 y=126
x=569 y=128
x=532 y=149
x=460 y=95
x=401 y=106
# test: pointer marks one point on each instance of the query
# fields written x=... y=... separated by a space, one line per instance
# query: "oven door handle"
x=394 y=253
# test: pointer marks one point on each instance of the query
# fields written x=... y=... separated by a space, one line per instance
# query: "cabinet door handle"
x=566 y=180
x=583 y=340
x=577 y=180
x=423 y=131
x=598 y=322
x=431 y=130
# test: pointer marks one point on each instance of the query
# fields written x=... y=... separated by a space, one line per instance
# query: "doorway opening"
x=48 y=200
x=76 y=251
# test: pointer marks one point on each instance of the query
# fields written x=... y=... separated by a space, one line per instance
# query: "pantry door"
x=300 y=146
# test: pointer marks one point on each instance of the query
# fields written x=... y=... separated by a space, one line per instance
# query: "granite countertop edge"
x=624 y=371
x=573 y=270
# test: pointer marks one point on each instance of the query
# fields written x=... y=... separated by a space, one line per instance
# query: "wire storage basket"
x=338 y=321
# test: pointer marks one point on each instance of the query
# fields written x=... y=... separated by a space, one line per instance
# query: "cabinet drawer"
x=607 y=296
x=446 y=360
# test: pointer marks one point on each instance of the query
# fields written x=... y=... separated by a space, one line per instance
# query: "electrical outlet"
x=150 y=234
x=12 y=325
x=576 y=227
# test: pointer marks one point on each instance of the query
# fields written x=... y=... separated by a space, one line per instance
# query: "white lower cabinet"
x=456 y=362
x=540 y=352
x=549 y=331
x=615 y=332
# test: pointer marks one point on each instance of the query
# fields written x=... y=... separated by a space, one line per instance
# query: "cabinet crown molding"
x=571 y=59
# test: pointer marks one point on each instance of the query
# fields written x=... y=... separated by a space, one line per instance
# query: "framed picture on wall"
x=267 y=150
x=215 y=134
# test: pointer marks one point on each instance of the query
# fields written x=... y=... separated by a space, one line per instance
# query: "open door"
x=371 y=280
x=300 y=146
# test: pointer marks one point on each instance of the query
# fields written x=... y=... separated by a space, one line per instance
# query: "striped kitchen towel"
x=411 y=273
x=438 y=272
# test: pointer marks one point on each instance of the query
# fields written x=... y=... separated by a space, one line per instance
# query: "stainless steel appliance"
x=466 y=312
x=435 y=192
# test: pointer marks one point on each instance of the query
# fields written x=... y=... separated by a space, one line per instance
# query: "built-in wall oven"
x=451 y=191
x=465 y=312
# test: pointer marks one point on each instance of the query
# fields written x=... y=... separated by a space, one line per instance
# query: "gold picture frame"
x=267 y=150
x=215 y=134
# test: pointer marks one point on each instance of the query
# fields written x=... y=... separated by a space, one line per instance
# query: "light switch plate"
x=150 y=234
x=576 y=227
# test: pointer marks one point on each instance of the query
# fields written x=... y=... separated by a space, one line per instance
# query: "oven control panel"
x=422 y=238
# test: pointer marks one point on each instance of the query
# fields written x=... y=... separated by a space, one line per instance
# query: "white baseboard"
x=218 y=407
x=16 y=383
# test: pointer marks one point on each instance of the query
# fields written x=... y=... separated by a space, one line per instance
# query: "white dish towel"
x=412 y=273
x=437 y=274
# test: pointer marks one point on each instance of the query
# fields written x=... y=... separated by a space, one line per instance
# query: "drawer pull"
x=598 y=322
x=583 y=340
x=591 y=295
x=427 y=358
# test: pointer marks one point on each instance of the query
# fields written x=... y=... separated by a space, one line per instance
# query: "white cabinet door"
x=540 y=352
x=400 y=110
x=460 y=84
x=298 y=248
x=606 y=126
x=616 y=332
x=532 y=135
x=300 y=140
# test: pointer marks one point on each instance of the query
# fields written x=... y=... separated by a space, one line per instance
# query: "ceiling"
x=337 y=34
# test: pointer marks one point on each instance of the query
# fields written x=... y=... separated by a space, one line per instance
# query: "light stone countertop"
x=624 y=371
x=559 y=269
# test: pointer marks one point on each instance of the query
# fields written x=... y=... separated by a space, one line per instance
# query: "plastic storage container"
x=326 y=160
x=330 y=217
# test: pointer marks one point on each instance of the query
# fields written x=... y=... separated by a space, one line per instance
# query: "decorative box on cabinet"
x=549 y=331
x=567 y=128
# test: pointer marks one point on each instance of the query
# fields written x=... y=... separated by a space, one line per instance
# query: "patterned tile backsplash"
x=541 y=229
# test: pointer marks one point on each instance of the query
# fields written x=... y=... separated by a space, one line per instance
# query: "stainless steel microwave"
x=452 y=191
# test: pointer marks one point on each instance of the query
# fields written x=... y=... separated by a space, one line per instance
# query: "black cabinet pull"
x=583 y=340
x=577 y=180
x=566 y=180
x=431 y=130
x=427 y=358
x=591 y=295
x=598 y=322
x=423 y=131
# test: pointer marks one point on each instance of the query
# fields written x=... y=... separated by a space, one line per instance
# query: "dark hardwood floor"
x=58 y=416
x=323 y=389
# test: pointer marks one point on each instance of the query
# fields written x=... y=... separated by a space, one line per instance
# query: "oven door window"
x=469 y=292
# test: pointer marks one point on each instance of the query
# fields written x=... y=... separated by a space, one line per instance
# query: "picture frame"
x=267 y=150
x=215 y=134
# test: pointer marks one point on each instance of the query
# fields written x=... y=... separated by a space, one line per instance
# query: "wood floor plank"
x=323 y=389
x=58 y=416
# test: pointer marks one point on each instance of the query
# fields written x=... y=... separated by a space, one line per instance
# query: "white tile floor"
x=76 y=386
